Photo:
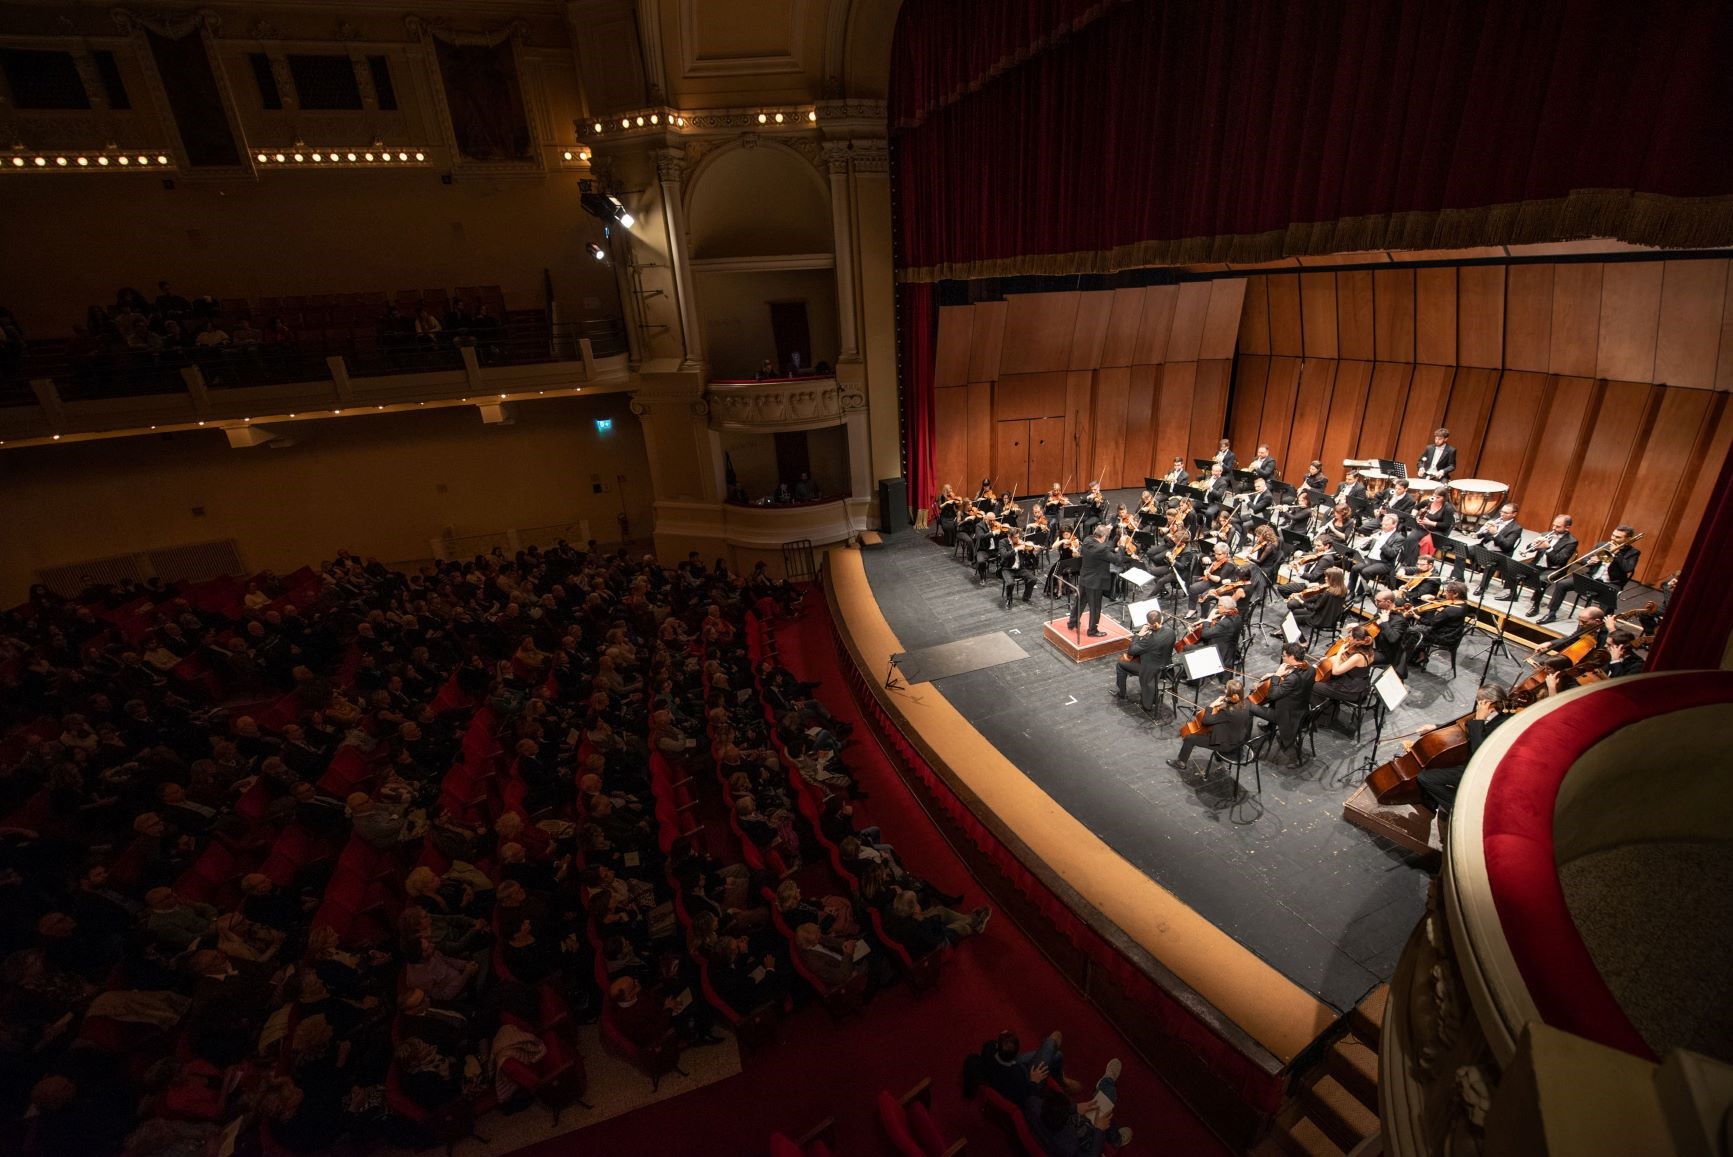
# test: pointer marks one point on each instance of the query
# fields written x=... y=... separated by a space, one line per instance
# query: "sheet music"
x=1138 y=612
x=1137 y=576
x=1290 y=629
x=1201 y=663
x=1391 y=688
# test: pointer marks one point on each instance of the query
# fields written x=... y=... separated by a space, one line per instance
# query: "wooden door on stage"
x=1028 y=453
x=1046 y=454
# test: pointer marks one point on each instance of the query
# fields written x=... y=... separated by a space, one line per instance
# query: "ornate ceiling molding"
x=424 y=28
x=173 y=25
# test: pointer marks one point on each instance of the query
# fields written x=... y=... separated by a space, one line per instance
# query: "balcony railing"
x=82 y=371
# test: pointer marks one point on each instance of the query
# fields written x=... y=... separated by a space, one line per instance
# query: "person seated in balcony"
x=783 y=495
x=459 y=320
x=212 y=336
x=246 y=335
x=427 y=327
x=766 y=370
x=168 y=302
x=805 y=489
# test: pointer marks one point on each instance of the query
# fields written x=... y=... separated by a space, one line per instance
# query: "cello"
x=1398 y=781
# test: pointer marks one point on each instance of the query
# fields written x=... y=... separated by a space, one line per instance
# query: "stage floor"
x=1326 y=904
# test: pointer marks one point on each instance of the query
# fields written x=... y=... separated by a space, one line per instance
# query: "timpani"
x=1475 y=498
x=1423 y=489
x=1375 y=481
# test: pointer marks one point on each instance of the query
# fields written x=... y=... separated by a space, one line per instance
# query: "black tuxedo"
x=1258 y=509
x=1150 y=653
x=1094 y=579
x=1285 y=705
x=1223 y=633
x=1354 y=496
x=1016 y=566
x=1439 y=458
x=1228 y=729
x=1443 y=627
x=1397 y=552
x=1216 y=495
x=1614 y=572
x=1229 y=461
x=1438 y=784
x=1393 y=644
x=1264 y=468
x=1489 y=551
x=1319 y=481
x=1401 y=505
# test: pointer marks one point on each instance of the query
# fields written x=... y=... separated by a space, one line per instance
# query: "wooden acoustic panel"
x=987 y=341
x=1222 y=322
x=1120 y=348
x=1112 y=389
x=1630 y=318
x=950 y=435
x=1038 y=332
x=1249 y=381
x=1255 y=317
x=1354 y=315
x=1435 y=315
x=1079 y=450
x=1029 y=396
x=1693 y=299
x=1318 y=314
x=979 y=440
x=1046 y=453
x=1386 y=400
x=1480 y=316
x=1170 y=437
x=1140 y=419
x=1614 y=442
x=956 y=330
x=1471 y=394
x=1159 y=302
x=1707 y=459
x=1393 y=314
x=1528 y=318
x=1576 y=319
x=1347 y=412
x=1090 y=332
x=1511 y=434
x=1311 y=416
x=1663 y=474
x=1286 y=328
x=1550 y=471
x=1186 y=338
x=1276 y=421
x=1010 y=452
x=1428 y=391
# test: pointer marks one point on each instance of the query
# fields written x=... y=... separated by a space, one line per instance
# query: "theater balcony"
x=63 y=393
x=1566 y=991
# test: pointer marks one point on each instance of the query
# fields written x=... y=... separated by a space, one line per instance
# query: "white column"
x=836 y=157
x=670 y=166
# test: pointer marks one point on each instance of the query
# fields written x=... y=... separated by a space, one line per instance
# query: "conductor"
x=1094 y=579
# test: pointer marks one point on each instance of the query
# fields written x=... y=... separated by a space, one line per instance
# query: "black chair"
x=1238 y=759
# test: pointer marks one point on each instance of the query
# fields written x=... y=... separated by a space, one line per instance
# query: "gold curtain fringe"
x=1619 y=214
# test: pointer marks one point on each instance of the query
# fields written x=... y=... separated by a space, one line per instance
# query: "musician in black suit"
x=1285 y=706
x=1315 y=478
x=1227 y=725
x=1442 y=627
x=1222 y=631
x=1352 y=493
x=1385 y=551
x=1550 y=551
x=1419 y=582
x=1614 y=565
x=1263 y=465
x=1394 y=638
x=949 y=505
x=1017 y=564
x=1438 y=461
x=1591 y=624
x=1397 y=500
x=1217 y=491
x=1494 y=541
x=1623 y=658
x=1225 y=458
x=1257 y=508
x=1094 y=579
x=1094 y=508
x=1148 y=656
x=1178 y=476
x=1438 y=784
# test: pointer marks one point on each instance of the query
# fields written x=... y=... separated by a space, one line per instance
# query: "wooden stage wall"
x=1597 y=389
x=1044 y=387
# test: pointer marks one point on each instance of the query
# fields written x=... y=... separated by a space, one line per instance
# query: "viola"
x=1341 y=649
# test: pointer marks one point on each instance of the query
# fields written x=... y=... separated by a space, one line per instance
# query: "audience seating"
x=908 y=1123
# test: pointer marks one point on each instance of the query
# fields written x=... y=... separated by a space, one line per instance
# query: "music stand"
x=1391 y=692
x=1136 y=612
x=1393 y=468
x=1203 y=463
x=1202 y=663
x=1290 y=628
x=1602 y=595
x=1515 y=573
x=1151 y=484
x=1132 y=579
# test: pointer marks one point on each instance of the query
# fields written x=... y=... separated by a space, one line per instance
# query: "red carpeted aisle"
x=993 y=981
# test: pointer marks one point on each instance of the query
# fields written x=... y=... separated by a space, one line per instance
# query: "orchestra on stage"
x=1373 y=575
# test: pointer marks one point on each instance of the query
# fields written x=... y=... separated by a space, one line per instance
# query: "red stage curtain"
x=1084 y=138
x=918 y=329
x=1699 y=618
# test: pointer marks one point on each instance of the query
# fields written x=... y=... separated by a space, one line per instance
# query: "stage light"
x=778 y=118
x=261 y=158
x=653 y=118
x=421 y=156
x=317 y=157
x=57 y=437
x=813 y=115
x=84 y=162
x=597 y=251
x=584 y=156
x=349 y=156
x=161 y=160
x=144 y=160
x=627 y=219
x=598 y=126
x=567 y=154
x=640 y=122
x=625 y=123
x=102 y=161
x=369 y=156
x=762 y=118
x=61 y=161
x=40 y=162
x=18 y=162
x=279 y=158
x=124 y=160
x=299 y=158
x=201 y=423
x=403 y=156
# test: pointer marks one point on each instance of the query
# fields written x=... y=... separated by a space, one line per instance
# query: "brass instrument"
x=1580 y=563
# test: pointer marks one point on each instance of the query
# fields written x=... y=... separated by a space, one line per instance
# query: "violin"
x=1425 y=608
